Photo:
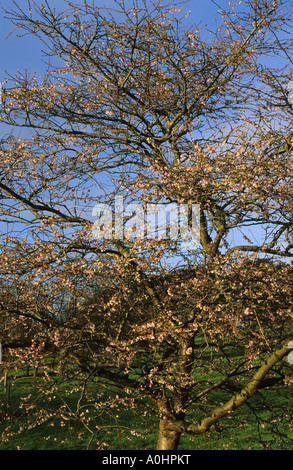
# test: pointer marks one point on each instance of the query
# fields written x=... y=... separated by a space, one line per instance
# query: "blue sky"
x=25 y=52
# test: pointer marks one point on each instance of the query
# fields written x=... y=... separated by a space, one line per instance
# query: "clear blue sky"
x=25 y=52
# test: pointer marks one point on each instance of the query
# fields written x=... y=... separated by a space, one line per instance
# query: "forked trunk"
x=168 y=438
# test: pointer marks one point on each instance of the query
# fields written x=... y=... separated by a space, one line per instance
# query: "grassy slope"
x=132 y=431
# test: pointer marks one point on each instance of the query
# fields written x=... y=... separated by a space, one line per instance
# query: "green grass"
x=127 y=429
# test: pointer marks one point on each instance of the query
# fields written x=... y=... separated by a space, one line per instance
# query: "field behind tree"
x=80 y=426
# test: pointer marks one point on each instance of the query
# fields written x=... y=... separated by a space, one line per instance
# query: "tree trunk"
x=168 y=438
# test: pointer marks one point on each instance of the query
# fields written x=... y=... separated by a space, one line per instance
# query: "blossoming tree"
x=140 y=102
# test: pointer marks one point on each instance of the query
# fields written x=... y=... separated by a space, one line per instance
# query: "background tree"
x=137 y=102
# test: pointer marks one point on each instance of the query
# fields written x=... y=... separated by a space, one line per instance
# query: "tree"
x=137 y=102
